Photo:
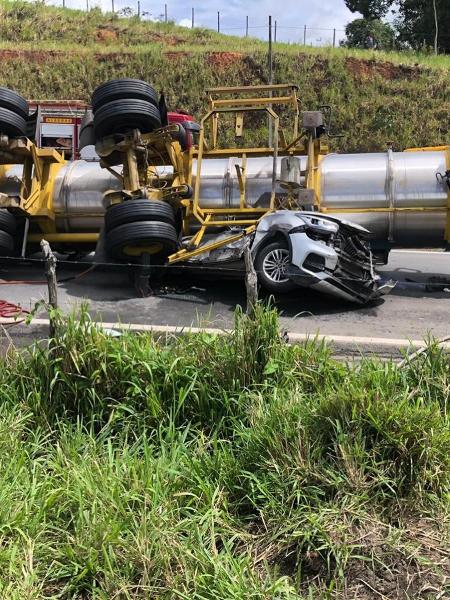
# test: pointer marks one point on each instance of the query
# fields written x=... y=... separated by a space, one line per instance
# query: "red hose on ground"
x=8 y=310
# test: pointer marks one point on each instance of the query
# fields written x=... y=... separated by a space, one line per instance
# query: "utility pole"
x=275 y=34
x=139 y=9
x=304 y=36
x=246 y=26
x=270 y=80
x=165 y=13
x=218 y=22
x=334 y=38
x=112 y=7
x=193 y=18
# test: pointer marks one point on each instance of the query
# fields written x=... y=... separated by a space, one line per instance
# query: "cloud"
x=185 y=22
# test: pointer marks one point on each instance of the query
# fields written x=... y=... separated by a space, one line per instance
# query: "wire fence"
x=191 y=18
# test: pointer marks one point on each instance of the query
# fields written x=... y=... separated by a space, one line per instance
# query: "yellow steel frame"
x=243 y=215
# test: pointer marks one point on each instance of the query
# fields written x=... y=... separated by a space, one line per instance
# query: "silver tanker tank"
x=410 y=205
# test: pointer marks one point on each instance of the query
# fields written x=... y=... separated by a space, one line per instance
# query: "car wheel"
x=14 y=102
x=6 y=244
x=123 y=89
x=11 y=124
x=131 y=211
x=132 y=240
x=7 y=222
x=271 y=264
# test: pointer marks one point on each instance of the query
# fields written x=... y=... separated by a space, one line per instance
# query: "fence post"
x=50 y=271
x=193 y=18
x=246 y=26
x=334 y=38
x=304 y=36
x=165 y=13
x=270 y=58
x=251 y=279
x=218 y=22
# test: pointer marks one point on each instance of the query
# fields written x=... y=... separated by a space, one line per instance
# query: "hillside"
x=56 y=53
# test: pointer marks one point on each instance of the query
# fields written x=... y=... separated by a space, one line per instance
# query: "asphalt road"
x=409 y=312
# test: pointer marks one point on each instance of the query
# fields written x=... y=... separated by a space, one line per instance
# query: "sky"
x=320 y=16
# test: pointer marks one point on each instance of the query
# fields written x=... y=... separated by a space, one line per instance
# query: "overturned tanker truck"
x=161 y=190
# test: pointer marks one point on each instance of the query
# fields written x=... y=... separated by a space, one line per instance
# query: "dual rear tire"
x=140 y=226
x=14 y=112
x=121 y=105
x=7 y=232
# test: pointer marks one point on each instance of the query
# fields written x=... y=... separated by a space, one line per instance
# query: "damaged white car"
x=306 y=249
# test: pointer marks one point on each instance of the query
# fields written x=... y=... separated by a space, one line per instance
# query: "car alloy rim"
x=275 y=265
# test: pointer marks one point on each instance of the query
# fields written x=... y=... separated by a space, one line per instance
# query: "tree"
x=370 y=33
x=420 y=22
x=370 y=9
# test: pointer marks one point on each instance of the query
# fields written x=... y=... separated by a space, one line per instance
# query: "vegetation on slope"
x=377 y=98
x=221 y=467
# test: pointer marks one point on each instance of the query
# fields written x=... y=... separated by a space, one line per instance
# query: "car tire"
x=131 y=211
x=7 y=221
x=11 y=124
x=14 y=102
x=269 y=265
x=121 y=116
x=130 y=241
x=123 y=89
x=6 y=244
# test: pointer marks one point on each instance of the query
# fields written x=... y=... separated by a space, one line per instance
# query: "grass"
x=54 y=53
x=221 y=467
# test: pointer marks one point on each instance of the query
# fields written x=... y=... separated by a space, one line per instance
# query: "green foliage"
x=223 y=467
x=416 y=23
x=370 y=9
x=370 y=33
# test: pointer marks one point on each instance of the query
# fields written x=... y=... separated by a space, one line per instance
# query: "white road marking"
x=351 y=341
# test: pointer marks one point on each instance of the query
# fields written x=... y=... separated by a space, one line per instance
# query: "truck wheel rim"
x=275 y=265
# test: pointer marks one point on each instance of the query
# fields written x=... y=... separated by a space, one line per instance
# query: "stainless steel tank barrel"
x=350 y=186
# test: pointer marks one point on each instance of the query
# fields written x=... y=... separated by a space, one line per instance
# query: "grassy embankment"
x=219 y=468
x=54 y=53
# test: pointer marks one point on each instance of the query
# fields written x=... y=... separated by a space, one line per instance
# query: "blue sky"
x=320 y=16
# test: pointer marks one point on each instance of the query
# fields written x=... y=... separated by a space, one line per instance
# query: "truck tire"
x=11 y=124
x=131 y=211
x=7 y=221
x=131 y=240
x=6 y=244
x=123 y=89
x=14 y=102
x=270 y=265
x=121 y=116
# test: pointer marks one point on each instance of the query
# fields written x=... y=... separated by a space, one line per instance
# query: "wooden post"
x=270 y=59
x=50 y=271
x=246 y=26
x=251 y=279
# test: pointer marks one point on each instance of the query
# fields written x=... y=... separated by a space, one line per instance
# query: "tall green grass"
x=206 y=467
